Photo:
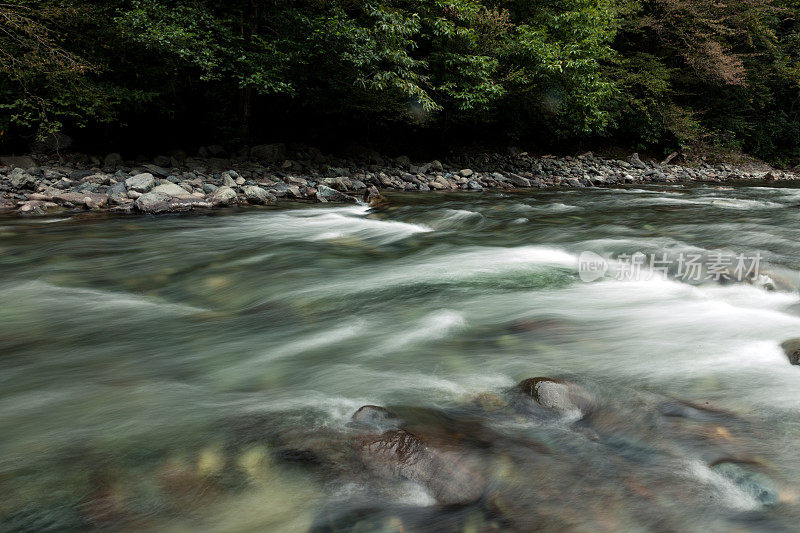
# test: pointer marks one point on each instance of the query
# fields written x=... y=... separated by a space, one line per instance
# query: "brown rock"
x=375 y=199
x=90 y=200
x=452 y=475
x=792 y=350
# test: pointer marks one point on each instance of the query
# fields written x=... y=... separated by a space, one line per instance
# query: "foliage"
x=652 y=73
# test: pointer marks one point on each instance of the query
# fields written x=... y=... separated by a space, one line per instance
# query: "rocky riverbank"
x=265 y=174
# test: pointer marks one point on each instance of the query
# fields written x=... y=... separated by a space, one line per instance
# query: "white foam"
x=77 y=299
x=725 y=491
x=433 y=326
x=317 y=224
x=713 y=201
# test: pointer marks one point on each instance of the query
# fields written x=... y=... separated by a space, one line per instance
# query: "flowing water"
x=198 y=372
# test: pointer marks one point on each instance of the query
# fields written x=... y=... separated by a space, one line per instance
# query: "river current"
x=199 y=372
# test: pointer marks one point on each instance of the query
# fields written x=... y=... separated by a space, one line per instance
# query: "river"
x=199 y=372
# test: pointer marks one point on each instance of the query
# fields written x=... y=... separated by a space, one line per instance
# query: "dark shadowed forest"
x=650 y=75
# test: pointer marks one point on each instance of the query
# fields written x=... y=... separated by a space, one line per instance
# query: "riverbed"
x=199 y=371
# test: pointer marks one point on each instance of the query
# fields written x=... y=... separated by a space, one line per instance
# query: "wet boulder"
x=792 y=350
x=374 y=417
x=558 y=396
x=636 y=162
x=374 y=198
x=450 y=474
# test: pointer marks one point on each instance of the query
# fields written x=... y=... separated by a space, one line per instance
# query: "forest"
x=657 y=75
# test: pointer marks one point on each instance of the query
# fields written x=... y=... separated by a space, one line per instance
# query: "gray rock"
x=156 y=202
x=326 y=194
x=152 y=202
x=228 y=180
x=340 y=183
x=87 y=187
x=80 y=174
x=223 y=196
x=156 y=170
x=474 y=185
x=518 y=180
x=172 y=190
x=20 y=179
x=257 y=195
x=634 y=160
x=141 y=183
x=466 y=173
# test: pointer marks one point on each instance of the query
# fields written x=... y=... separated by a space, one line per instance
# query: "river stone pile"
x=264 y=174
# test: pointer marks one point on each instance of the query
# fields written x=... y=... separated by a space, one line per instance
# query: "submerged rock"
x=451 y=475
x=375 y=417
x=792 y=350
x=754 y=484
x=557 y=395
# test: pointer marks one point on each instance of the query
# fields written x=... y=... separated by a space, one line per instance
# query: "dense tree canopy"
x=650 y=73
